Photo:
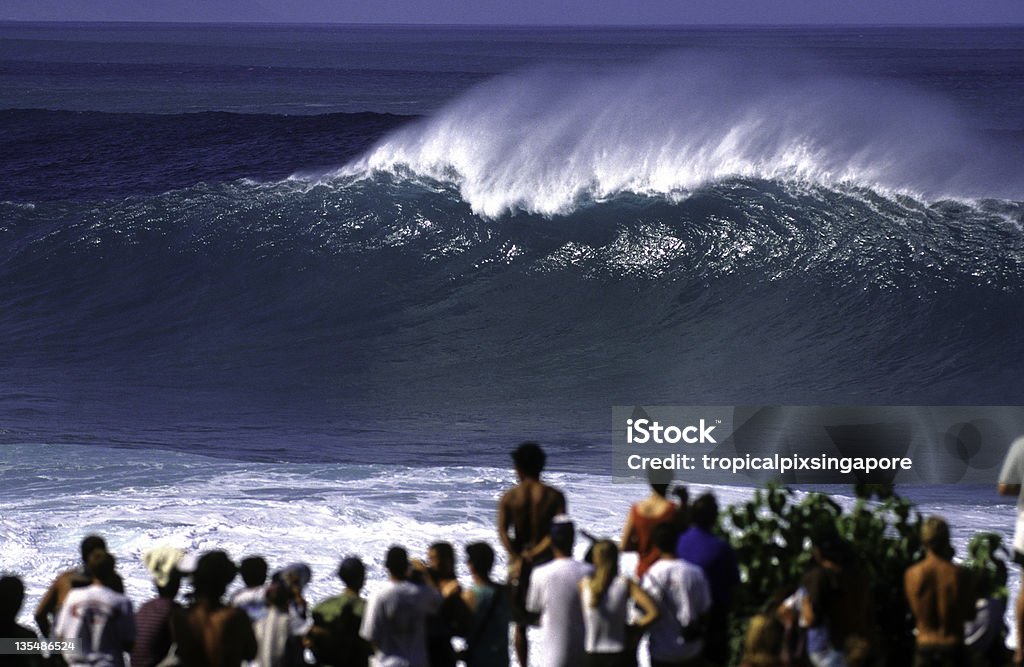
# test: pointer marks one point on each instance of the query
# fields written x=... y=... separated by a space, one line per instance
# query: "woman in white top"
x=605 y=597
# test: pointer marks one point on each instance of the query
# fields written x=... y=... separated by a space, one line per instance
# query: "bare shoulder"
x=551 y=494
x=513 y=497
x=555 y=499
x=469 y=598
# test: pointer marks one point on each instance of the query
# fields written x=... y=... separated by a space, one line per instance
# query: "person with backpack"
x=684 y=599
x=489 y=609
x=334 y=638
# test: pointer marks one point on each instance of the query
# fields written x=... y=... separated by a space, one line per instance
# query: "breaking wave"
x=549 y=139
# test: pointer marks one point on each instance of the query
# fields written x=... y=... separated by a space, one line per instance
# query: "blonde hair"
x=935 y=535
x=762 y=645
x=606 y=568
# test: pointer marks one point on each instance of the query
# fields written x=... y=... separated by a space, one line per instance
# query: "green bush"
x=772 y=537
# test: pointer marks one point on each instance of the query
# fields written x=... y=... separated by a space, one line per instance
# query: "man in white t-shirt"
x=395 y=621
x=554 y=594
x=684 y=598
x=1011 y=478
x=98 y=619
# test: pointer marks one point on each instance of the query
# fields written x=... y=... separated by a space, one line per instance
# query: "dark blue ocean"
x=322 y=278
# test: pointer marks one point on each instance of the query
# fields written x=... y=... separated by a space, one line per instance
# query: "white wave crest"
x=545 y=140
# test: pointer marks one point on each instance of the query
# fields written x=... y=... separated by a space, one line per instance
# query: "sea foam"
x=545 y=140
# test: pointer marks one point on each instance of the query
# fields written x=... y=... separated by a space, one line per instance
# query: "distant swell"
x=89 y=156
x=547 y=140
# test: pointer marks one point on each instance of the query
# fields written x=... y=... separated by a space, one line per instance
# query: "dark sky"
x=560 y=12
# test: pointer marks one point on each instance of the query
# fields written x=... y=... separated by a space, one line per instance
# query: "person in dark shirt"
x=12 y=594
x=153 y=619
x=488 y=611
x=439 y=573
x=833 y=603
x=700 y=546
x=252 y=599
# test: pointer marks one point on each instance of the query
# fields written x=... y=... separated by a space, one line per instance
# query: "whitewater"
x=304 y=300
x=547 y=140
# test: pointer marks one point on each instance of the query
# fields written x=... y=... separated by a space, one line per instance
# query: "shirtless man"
x=211 y=634
x=525 y=514
x=941 y=595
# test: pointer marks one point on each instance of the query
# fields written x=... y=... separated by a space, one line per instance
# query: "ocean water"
x=298 y=291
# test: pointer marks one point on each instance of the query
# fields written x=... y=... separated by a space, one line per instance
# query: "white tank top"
x=606 y=623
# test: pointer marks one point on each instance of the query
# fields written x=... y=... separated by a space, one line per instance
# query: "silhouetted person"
x=210 y=633
x=833 y=603
x=97 y=617
x=50 y=604
x=12 y=595
x=941 y=596
x=713 y=555
x=396 y=618
x=294 y=578
x=253 y=598
x=439 y=572
x=554 y=595
x=153 y=620
x=525 y=513
x=489 y=611
x=684 y=598
x=279 y=642
x=334 y=637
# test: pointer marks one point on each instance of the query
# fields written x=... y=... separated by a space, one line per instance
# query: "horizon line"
x=368 y=24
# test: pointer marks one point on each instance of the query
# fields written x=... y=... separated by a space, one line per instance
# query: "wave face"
x=545 y=141
x=699 y=230
x=330 y=312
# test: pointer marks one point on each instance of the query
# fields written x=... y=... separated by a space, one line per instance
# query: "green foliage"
x=986 y=558
x=772 y=538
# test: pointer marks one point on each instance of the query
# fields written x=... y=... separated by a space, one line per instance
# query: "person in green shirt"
x=334 y=637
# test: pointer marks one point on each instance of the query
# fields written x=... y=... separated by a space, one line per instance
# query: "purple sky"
x=561 y=12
